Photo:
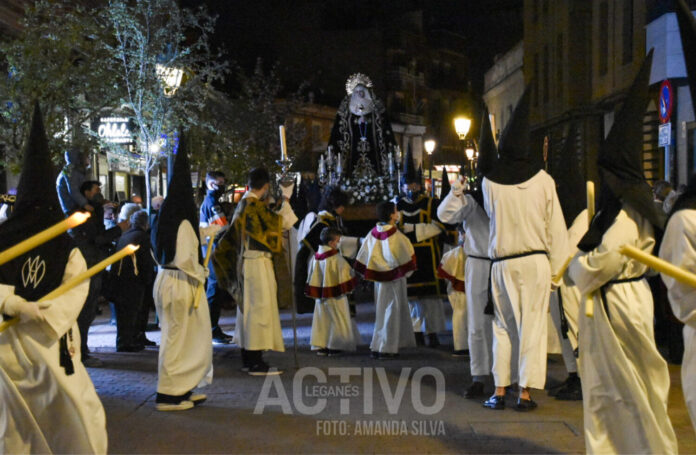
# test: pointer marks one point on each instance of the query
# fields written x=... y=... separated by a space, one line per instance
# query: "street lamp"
x=461 y=126
x=429 y=149
x=171 y=78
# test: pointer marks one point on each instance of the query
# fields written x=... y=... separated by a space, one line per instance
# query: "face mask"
x=98 y=199
x=412 y=194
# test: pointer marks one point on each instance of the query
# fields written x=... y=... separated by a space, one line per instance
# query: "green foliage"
x=60 y=59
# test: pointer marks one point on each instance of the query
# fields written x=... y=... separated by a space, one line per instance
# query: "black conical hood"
x=570 y=182
x=177 y=207
x=517 y=162
x=621 y=154
x=487 y=150
x=687 y=31
x=36 y=209
x=409 y=174
x=445 y=187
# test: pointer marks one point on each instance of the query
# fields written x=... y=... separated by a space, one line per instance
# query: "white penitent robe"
x=464 y=209
x=258 y=323
x=679 y=248
x=452 y=269
x=569 y=292
x=387 y=258
x=525 y=217
x=625 y=380
x=330 y=280
x=186 y=353
x=42 y=410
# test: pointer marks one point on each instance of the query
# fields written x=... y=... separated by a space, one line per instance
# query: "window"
x=603 y=38
x=547 y=72
x=627 y=31
x=560 y=65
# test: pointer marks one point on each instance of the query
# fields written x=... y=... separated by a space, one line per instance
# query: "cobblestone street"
x=227 y=422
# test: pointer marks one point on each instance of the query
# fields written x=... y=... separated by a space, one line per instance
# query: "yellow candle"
x=206 y=261
x=589 y=303
x=73 y=282
x=590 y=200
x=662 y=266
x=559 y=275
x=44 y=236
x=283 y=144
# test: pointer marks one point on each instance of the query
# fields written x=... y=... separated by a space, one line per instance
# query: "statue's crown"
x=357 y=79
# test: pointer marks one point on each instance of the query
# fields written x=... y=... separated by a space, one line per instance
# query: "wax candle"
x=76 y=280
x=206 y=261
x=44 y=236
x=283 y=144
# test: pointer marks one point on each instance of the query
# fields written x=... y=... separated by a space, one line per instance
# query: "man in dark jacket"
x=130 y=279
x=94 y=241
x=212 y=214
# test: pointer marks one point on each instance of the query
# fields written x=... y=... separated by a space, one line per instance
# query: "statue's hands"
x=287 y=190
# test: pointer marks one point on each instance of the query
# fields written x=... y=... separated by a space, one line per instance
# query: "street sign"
x=666 y=101
x=664 y=137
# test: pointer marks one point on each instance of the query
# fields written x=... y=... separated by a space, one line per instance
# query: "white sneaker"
x=181 y=406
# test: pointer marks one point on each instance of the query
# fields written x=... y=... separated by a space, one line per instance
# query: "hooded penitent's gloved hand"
x=15 y=305
x=457 y=188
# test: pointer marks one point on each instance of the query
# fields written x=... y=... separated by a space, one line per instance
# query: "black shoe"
x=433 y=340
x=323 y=352
x=132 y=348
x=387 y=356
x=335 y=352
x=525 y=405
x=495 y=402
x=152 y=327
x=374 y=354
x=91 y=362
x=148 y=343
x=263 y=369
x=475 y=390
x=219 y=337
x=420 y=339
x=461 y=353
x=572 y=391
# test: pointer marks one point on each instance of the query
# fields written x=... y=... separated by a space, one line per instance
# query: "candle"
x=206 y=261
x=589 y=303
x=321 y=165
x=283 y=144
x=339 y=165
x=73 y=282
x=662 y=266
x=44 y=236
x=590 y=200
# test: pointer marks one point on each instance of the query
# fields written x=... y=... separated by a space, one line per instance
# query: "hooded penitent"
x=487 y=151
x=487 y=156
x=40 y=270
x=410 y=174
x=517 y=162
x=445 y=187
x=687 y=31
x=177 y=207
x=620 y=165
x=569 y=179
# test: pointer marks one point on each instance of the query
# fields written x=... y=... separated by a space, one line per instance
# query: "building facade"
x=503 y=87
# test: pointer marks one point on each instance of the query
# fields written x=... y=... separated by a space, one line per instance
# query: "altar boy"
x=330 y=280
x=387 y=258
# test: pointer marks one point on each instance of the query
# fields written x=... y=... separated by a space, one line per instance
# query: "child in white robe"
x=387 y=258
x=330 y=280
x=451 y=269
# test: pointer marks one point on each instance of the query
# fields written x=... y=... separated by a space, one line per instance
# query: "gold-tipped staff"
x=44 y=236
x=206 y=261
x=73 y=282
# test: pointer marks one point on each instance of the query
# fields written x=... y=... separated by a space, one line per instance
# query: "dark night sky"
x=488 y=26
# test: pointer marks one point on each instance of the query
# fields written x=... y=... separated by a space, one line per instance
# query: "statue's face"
x=361 y=101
